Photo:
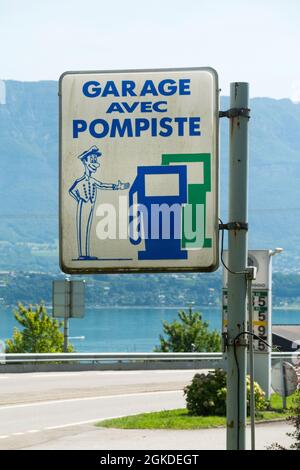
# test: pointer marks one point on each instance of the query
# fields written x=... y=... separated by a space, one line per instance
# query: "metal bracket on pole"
x=251 y=272
x=224 y=341
x=234 y=226
x=235 y=112
x=238 y=342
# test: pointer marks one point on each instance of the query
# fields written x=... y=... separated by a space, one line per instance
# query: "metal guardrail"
x=108 y=361
x=31 y=362
x=14 y=358
x=126 y=357
x=286 y=355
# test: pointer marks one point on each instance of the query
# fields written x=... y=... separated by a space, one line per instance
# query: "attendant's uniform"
x=84 y=190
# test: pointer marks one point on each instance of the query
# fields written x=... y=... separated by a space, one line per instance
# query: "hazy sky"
x=256 y=40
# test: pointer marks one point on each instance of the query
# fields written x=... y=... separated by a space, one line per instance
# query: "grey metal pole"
x=237 y=261
x=284 y=386
x=67 y=314
x=251 y=365
x=66 y=333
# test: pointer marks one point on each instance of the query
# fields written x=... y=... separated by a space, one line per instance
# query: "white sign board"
x=139 y=171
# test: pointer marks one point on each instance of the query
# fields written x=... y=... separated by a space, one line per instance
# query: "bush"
x=259 y=397
x=293 y=419
x=206 y=395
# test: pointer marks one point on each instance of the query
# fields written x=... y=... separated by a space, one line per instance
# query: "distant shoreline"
x=287 y=307
x=165 y=307
x=156 y=307
x=152 y=307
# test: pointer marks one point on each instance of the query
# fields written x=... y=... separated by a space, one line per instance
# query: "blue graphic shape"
x=84 y=191
x=159 y=247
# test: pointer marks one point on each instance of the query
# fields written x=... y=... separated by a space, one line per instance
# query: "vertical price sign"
x=261 y=299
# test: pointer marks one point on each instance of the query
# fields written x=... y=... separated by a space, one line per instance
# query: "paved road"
x=26 y=388
x=39 y=407
x=31 y=423
x=131 y=439
x=58 y=411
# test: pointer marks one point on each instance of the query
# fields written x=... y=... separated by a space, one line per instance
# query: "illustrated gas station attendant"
x=84 y=191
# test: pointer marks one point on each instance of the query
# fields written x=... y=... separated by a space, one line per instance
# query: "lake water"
x=127 y=329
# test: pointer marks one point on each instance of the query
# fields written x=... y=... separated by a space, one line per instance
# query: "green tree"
x=189 y=334
x=40 y=334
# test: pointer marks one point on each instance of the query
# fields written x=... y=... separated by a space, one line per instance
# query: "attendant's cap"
x=91 y=151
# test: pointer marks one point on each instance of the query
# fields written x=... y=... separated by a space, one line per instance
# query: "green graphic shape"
x=196 y=199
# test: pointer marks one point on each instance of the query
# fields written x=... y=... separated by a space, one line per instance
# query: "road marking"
x=31 y=431
x=70 y=400
x=51 y=428
x=79 y=423
x=37 y=375
x=50 y=375
x=175 y=371
x=61 y=426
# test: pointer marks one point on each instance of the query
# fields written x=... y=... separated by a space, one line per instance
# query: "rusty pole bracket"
x=235 y=112
x=238 y=342
x=234 y=226
x=232 y=342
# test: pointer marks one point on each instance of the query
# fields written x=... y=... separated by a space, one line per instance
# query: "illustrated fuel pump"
x=194 y=221
x=158 y=193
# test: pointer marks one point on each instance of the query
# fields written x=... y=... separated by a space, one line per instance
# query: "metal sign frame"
x=89 y=269
x=72 y=304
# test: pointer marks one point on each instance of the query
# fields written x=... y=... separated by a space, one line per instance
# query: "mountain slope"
x=29 y=176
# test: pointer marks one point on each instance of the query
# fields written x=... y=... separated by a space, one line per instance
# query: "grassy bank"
x=180 y=419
